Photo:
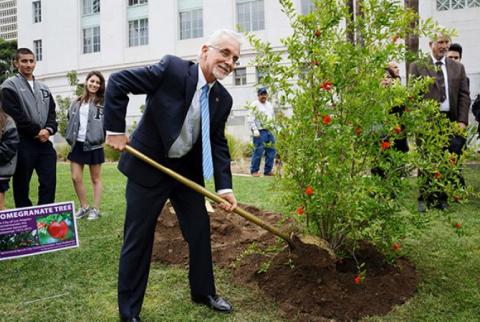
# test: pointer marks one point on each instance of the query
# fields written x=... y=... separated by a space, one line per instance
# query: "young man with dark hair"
x=455 y=52
x=31 y=105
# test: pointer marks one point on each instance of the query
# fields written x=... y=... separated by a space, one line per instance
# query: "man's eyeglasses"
x=227 y=54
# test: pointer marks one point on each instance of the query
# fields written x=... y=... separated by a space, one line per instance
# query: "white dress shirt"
x=191 y=126
x=445 y=105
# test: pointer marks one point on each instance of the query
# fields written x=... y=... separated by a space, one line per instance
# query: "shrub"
x=236 y=147
x=343 y=126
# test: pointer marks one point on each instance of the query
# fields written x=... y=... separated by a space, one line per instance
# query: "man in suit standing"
x=450 y=90
x=183 y=128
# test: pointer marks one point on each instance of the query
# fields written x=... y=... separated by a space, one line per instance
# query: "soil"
x=303 y=290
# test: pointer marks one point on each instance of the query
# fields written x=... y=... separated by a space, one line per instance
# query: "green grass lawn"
x=80 y=284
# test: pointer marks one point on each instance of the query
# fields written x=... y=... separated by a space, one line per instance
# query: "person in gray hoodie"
x=86 y=135
x=32 y=107
x=8 y=153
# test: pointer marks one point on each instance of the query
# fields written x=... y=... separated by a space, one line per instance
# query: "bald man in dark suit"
x=450 y=90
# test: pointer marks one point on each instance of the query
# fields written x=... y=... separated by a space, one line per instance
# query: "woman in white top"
x=86 y=135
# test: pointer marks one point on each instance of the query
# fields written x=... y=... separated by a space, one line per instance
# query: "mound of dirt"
x=302 y=289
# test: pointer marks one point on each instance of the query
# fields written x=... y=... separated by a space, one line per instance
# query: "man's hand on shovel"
x=232 y=201
x=117 y=141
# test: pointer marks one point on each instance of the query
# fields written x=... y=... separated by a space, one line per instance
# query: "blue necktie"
x=206 y=148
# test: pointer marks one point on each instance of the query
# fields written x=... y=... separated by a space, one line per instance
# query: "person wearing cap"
x=261 y=116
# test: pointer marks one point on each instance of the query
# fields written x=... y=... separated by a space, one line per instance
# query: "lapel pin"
x=216 y=99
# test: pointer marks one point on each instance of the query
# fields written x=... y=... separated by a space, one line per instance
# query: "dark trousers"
x=41 y=157
x=144 y=205
x=263 y=144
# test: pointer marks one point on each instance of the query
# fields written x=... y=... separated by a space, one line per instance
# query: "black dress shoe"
x=134 y=319
x=214 y=302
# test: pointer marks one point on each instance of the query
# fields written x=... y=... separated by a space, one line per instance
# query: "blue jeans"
x=263 y=143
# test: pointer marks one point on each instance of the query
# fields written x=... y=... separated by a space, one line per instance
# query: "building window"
x=91 y=7
x=91 y=40
x=37 y=11
x=136 y=2
x=191 y=23
x=473 y=3
x=37 y=47
x=307 y=7
x=190 y=18
x=240 y=75
x=261 y=73
x=138 y=32
x=251 y=14
x=456 y=4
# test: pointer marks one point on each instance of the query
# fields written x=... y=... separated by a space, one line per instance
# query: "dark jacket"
x=169 y=85
x=31 y=110
x=8 y=149
x=458 y=91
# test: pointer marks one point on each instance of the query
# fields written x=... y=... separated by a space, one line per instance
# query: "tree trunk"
x=411 y=40
x=350 y=28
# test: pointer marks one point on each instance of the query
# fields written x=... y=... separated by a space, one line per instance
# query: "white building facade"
x=111 y=35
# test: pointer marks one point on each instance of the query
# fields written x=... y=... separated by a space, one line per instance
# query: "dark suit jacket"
x=458 y=91
x=169 y=85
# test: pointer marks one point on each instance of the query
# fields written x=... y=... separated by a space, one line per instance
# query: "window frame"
x=194 y=21
x=91 y=46
x=444 y=5
x=38 y=49
x=246 y=11
x=240 y=79
x=90 y=4
x=37 y=11
x=136 y=41
x=138 y=3
x=260 y=74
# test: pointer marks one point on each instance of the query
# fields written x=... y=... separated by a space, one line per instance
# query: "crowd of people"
x=28 y=119
x=182 y=127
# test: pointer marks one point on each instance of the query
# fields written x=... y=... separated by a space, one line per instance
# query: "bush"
x=238 y=149
x=343 y=126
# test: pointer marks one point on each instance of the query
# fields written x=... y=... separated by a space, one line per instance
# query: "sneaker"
x=94 y=214
x=82 y=212
x=270 y=174
x=256 y=174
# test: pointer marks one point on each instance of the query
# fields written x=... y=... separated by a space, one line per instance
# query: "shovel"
x=304 y=246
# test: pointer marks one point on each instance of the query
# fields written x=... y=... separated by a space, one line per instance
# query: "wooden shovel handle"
x=212 y=196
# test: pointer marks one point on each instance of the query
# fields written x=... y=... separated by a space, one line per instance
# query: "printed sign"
x=37 y=230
